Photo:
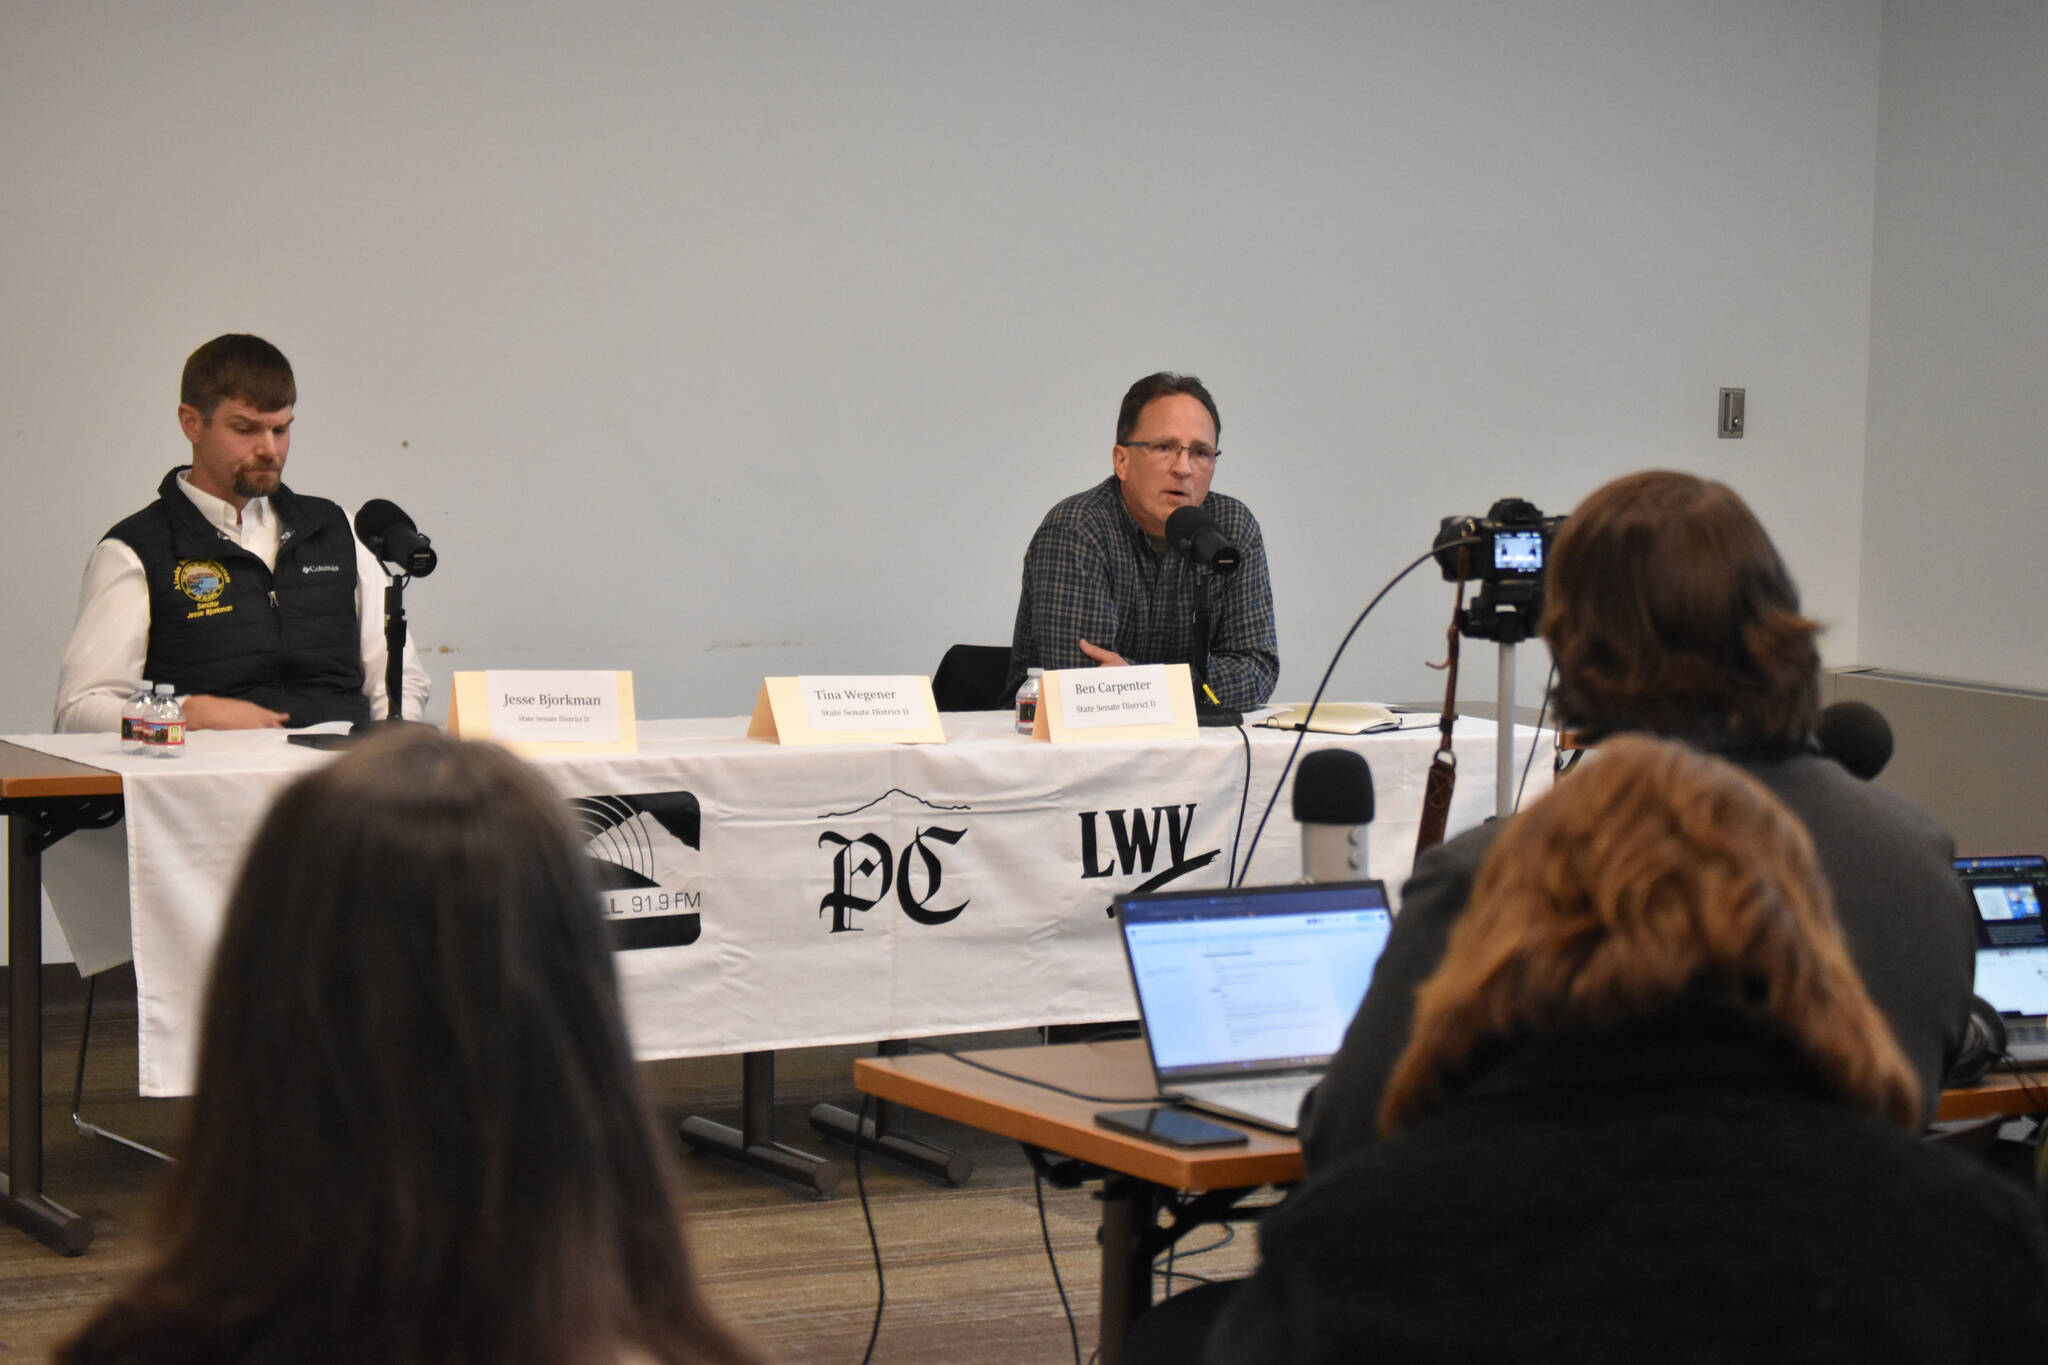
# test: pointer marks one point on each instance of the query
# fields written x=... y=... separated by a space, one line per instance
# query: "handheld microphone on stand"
x=391 y=536
x=1195 y=534
x=1333 y=803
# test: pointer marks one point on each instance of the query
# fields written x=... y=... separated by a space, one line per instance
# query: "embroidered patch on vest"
x=203 y=580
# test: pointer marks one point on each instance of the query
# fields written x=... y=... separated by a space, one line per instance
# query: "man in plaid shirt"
x=1101 y=586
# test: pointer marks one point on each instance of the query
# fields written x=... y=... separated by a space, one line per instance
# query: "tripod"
x=1504 y=612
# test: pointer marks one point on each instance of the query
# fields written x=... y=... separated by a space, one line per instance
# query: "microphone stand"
x=394 y=647
x=1207 y=713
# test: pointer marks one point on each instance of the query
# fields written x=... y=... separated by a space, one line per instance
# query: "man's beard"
x=256 y=483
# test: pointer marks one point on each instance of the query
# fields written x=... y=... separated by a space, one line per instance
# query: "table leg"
x=25 y=1204
x=928 y=1158
x=754 y=1144
x=1130 y=1236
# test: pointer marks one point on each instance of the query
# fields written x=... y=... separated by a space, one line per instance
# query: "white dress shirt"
x=102 y=661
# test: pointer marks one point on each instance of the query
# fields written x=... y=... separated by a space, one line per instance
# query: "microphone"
x=1333 y=803
x=391 y=536
x=1195 y=534
x=1856 y=735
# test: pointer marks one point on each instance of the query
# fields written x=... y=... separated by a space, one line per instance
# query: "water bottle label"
x=160 y=734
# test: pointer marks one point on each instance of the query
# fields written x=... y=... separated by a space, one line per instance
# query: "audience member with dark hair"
x=418 y=1137
x=1648 y=1111
x=1669 y=612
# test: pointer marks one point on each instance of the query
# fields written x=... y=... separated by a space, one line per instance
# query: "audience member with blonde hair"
x=1648 y=1112
x=1669 y=612
x=418 y=1137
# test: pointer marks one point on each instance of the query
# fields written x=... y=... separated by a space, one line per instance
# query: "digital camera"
x=1512 y=543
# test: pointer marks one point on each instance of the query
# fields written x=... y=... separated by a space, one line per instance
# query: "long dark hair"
x=418 y=1136
x=1669 y=610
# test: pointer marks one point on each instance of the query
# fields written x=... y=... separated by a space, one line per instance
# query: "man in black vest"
x=258 y=604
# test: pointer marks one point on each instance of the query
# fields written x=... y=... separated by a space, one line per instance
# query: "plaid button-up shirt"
x=1092 y=574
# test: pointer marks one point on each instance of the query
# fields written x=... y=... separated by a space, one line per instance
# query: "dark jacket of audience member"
x=418 y=1135
x=1669 y=612
x=1648 y=1112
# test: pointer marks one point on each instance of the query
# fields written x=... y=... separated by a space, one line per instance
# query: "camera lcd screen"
x=1518 y=551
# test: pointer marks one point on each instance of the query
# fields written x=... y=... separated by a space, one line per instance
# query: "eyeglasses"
x=1169 y=452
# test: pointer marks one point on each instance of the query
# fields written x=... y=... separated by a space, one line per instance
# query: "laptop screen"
x=2012 y=937
x=1253 y=978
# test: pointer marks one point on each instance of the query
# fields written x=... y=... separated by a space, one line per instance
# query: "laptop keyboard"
x=1279 y=1097
x=2017 y=1035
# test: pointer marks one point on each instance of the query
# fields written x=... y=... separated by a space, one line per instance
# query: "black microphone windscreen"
x=1333 y=787
x=1856 y=735
x=376 y=517
x=1185 y=523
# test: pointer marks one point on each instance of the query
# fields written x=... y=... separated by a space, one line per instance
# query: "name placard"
x=1141 y=701
x=835 y=709
x=544 y=711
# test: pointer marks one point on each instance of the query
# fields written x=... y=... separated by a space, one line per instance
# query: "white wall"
x=715 y=341
x=1957 y=470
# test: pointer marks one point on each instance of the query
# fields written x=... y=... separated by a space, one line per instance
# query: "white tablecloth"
x=839 y=894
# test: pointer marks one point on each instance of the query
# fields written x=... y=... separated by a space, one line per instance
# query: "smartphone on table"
x=1174 y=1127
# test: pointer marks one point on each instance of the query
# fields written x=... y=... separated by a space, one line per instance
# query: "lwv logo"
x=1134 y=837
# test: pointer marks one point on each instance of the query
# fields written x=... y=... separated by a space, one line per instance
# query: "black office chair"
x=971 y=678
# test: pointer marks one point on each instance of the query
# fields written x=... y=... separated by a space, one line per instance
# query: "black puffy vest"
x=223 y=625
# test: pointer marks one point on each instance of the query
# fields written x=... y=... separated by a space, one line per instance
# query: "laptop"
x=1245 y=992
x=2012 y=947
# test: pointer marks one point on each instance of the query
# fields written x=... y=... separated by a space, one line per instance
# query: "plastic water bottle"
x=133 y=712
x=1027 y=700
x=164 y=732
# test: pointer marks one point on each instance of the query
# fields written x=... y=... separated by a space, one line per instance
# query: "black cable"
x=1316 y=700
x=1045 y=1232
x=1541 y=711
x=1173 y=1251
x=1229 y=1236
x=874 y=1243
x=1032 y=1080
x=1244 y=801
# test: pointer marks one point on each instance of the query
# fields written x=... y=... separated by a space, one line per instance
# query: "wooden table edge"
x=28 y=774
x=1183 y=1169
x=2002 y=1094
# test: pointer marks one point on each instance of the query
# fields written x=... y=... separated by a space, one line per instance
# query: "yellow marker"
x=1213 y=698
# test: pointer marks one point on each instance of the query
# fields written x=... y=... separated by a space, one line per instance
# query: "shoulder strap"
x=1443 y=767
